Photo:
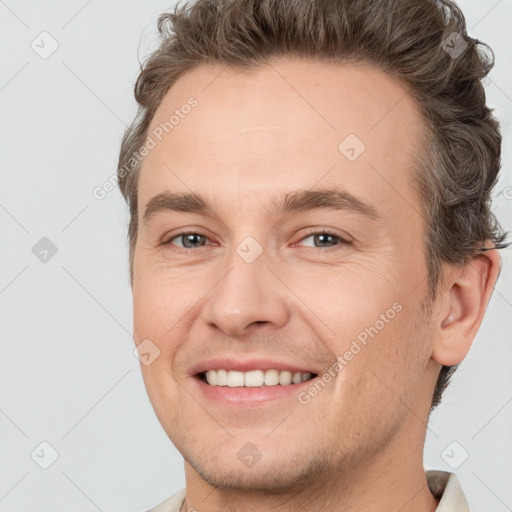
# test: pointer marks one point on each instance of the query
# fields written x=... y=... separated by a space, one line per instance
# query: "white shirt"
x=442 y=484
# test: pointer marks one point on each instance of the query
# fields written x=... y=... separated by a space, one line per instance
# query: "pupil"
x=190 y=238
x=323 y=238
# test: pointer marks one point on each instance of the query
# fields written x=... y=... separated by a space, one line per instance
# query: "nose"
x=248 y=294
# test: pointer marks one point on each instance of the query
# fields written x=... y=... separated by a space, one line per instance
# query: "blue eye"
x=325 y=237
x=192 y=239
x=189 y=237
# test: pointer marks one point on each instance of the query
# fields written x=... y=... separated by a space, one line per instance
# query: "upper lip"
x=241 y=365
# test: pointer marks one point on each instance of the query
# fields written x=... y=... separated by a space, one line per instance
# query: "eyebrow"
x=295 y=201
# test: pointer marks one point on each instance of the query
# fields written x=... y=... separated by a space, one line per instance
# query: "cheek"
x=381 y=342
x=347 y=299
x=380 y=385
x=398 y=356
x=156 y=300
x=147 y=312
x=163 y=312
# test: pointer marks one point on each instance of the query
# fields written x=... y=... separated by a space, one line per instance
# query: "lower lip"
x=251 y=395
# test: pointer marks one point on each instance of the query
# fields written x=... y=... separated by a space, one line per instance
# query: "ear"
x=465 y=293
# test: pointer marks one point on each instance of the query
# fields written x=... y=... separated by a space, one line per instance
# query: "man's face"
x=256 y=289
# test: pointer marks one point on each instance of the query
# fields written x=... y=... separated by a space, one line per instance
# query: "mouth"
x=258 y=381
x=254 y=378
x=252 y=388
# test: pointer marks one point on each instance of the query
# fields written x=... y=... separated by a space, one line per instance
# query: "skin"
x=358 y=444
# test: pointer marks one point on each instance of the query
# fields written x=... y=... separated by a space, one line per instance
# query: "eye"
x=189 y=239
x=192 y=239
x=325 y=237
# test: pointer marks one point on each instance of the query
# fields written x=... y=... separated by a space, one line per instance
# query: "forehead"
x=283 y=123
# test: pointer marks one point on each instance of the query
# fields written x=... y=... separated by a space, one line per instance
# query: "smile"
x=254 y=378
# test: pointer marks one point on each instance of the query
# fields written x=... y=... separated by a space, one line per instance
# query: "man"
x=312 y=248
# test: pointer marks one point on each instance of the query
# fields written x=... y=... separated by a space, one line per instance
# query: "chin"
x=274 y=473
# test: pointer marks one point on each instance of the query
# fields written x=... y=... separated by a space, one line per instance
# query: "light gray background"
x=67 y=372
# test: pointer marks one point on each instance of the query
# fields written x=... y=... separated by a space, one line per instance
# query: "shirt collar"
x=446 y=488
x=442 y=484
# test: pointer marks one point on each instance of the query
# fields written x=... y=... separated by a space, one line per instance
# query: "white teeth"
x=235 y=379
x=211 y=377
x=255 y=378
x=285 y=378
x=222 y=377
x=271 y=377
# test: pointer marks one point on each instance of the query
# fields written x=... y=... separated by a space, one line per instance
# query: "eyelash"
x=342 y=240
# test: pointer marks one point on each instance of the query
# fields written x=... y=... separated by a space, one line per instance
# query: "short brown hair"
x=408 y=39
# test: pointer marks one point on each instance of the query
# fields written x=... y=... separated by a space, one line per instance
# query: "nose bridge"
x=247 y=292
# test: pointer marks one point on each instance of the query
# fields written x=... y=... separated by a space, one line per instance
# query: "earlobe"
x=467 y=292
